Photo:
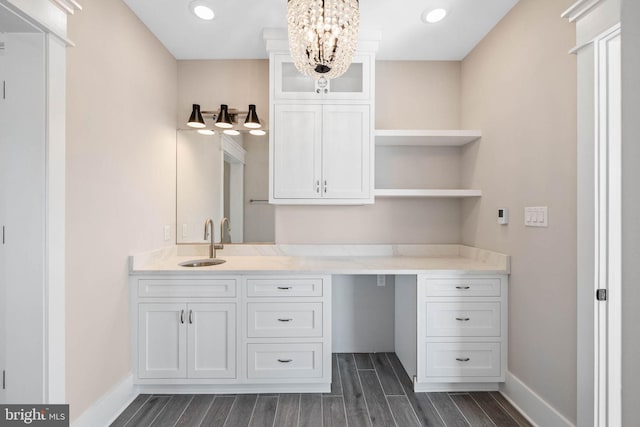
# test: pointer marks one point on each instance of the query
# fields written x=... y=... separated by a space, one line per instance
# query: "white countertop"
x=325 y=259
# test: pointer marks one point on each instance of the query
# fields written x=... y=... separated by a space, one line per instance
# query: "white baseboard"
x=532 y=406
x=109 y=406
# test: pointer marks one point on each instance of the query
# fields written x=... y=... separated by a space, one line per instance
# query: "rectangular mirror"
x=221 y=176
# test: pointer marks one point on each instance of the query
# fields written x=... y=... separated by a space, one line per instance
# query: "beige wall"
x=237 y=83
x=519 y=87
x=121 y=109
x=409 y=95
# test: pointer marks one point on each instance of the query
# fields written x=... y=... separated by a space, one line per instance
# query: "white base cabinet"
x=231 y=333
x=461 y=332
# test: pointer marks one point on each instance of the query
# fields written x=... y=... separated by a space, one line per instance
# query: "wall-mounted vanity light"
x=225 y=118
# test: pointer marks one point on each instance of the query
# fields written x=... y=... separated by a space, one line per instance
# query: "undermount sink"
x=202 y=262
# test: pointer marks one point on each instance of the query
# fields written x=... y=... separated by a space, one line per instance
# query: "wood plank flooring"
x=367 y=390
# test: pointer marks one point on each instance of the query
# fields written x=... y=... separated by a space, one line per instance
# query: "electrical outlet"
x=167 y=232
x=382 y=280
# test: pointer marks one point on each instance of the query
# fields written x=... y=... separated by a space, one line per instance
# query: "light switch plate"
x=537 y=216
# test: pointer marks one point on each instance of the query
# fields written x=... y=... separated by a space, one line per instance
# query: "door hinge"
x=601 y=294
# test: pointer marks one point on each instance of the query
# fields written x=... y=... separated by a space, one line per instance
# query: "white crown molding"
x=579 y=9
x=69 y=6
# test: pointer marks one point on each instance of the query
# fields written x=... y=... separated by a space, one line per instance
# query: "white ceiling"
x=236 y=31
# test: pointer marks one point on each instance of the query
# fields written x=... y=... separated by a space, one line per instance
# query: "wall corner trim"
x=531 y=405
x=106 y=409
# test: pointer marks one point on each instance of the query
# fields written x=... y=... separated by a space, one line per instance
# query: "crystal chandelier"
x=323 y=35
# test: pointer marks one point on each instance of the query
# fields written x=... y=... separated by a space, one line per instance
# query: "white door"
x=297 y=151
x=346 y=152
x=22 y=215
x=212 y=340
x=608 y=232
x=162 y=340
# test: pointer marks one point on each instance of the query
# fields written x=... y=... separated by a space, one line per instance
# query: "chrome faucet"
x=208 y=233
x=222 y=222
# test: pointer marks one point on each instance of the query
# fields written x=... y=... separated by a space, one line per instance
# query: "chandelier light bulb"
x=323 y=35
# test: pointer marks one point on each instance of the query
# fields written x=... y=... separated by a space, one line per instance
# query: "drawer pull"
x=462 y=319
x=191 y=316
x=182 y=316
x=285 y=320
x=462 y=359
x=463 y=287
x=285 y=360
x=284 y=288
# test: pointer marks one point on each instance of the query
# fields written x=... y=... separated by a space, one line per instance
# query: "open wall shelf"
x=451 y=138
x=423 y=193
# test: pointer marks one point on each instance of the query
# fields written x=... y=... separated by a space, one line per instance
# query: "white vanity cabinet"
x=321 y=154
x=196 y=340
x=461 y=332
x=186 y=328
x=231 y=333
x=288 y=329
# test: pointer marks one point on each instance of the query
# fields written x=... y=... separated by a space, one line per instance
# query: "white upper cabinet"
x=290 y=84
x=321 y=139
x=321 y=154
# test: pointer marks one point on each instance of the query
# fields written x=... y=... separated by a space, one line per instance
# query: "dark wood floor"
x=367 y=390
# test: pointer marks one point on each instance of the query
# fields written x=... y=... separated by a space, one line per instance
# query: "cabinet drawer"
x=452 y=359
x=463 y=319
x=473 y=287
x=284 y=287
x=284 y=320
x=210 y=288
x=284 y=360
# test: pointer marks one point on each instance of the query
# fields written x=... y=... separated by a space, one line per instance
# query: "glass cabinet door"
x=289 y=83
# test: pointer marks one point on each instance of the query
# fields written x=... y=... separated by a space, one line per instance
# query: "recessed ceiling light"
x=206 y=132
x=231 y=132
x=202 y=10
x=434 y=15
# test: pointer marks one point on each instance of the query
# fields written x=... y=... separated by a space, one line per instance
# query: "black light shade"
x=196 y=120
x=224 y=120
x=252 y=121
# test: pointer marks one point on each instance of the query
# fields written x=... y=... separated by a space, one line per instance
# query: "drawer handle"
x=284 y=288
x=285 y=320
x=191 y=316
x=462 y=359
x=285 y=360
x=182 y=316
x=463 y=287
x=462 y=319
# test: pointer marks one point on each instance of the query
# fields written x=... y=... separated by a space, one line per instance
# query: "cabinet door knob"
x=462 y=359
x=462 y=319
x=182 y=316
x=285 y=360
x=462 y=287
x=317 y=90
